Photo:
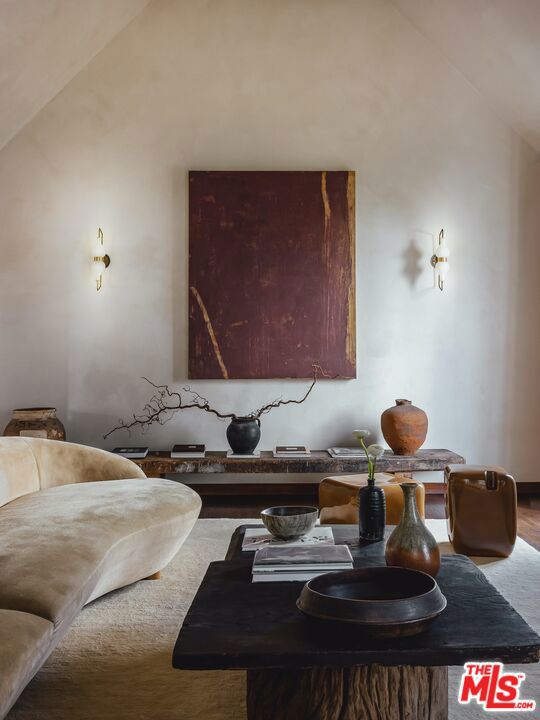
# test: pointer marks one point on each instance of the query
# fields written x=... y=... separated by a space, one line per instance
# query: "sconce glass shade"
x=443 y=251
x=98 y=252
x=439 y=260
x=98 y=244
x=442 y=269
x=101 y=260
x=99 y=266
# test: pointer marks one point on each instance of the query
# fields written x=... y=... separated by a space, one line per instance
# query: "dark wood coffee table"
x=299 y=668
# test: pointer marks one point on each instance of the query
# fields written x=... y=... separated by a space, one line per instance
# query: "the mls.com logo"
x=488 y=685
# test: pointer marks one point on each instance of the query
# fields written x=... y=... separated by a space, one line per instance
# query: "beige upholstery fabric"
x=25 y=642
x=30 y=464
x=63 y=546
x=18 y=469
x=60 y=463
x=73 y=540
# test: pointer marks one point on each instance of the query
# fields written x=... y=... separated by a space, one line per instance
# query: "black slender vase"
x=371 y=513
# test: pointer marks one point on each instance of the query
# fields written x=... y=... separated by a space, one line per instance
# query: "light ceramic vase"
x=411 y=545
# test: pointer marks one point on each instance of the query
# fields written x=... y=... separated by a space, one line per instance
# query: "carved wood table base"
x=370 y=692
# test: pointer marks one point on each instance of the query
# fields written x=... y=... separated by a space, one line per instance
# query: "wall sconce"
x=439 y=260
x=101 y=260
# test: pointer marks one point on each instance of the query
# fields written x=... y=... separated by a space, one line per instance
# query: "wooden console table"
x=160 y=464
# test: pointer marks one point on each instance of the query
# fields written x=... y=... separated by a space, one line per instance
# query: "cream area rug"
x=115 y=661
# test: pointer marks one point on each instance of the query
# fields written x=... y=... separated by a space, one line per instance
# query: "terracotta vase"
x=404 y=427
x=411 y=545
x=35 y=422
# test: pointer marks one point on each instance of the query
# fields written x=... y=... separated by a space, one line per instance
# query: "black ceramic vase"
x=371 y=513
x=243 y=435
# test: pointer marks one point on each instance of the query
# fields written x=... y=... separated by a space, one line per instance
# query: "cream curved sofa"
x=68 y=535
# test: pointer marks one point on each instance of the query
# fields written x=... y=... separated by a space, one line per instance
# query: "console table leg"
x=364 y=693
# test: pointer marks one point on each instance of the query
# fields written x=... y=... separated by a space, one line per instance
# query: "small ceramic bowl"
x=290 y=521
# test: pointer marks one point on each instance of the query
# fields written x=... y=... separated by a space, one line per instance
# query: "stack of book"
x=259 y=537
x=188 y=451
x=291 y=451
x=343 y=452
x=134 y=453
x=279 y=564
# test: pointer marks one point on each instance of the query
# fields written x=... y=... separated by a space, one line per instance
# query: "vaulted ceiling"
x=44 y=44
x=495 y=44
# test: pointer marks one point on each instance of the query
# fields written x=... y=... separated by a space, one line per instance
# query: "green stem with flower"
x=373 y=453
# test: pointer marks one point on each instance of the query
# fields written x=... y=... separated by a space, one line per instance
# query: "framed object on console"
x=271 y=274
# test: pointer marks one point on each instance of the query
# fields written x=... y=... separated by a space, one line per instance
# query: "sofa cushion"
x=25 y=641
x=31 y=464
x=19 y=473
x=63 y=463
x=64 y=546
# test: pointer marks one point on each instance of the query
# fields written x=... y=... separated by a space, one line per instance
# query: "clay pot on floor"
x=35 y=422
x=404 y=427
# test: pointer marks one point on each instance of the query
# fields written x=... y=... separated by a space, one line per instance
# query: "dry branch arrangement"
x=164 y=403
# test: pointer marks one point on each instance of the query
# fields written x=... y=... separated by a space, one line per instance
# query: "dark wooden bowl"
x=382 y=601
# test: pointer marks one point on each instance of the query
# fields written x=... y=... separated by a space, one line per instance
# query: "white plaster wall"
x=44 y=44
x=243 y=84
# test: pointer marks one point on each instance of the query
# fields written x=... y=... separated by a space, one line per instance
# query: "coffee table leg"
x=369 y=692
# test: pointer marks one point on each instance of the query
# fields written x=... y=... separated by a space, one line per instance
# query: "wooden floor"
x=249 y=507
x=529 y=519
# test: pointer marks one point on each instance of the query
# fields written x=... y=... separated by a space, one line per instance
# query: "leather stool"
x=338 y=498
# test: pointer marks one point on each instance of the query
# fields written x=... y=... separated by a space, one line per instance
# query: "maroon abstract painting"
x=271 y=274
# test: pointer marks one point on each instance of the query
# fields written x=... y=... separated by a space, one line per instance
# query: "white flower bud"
x=375 y=451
